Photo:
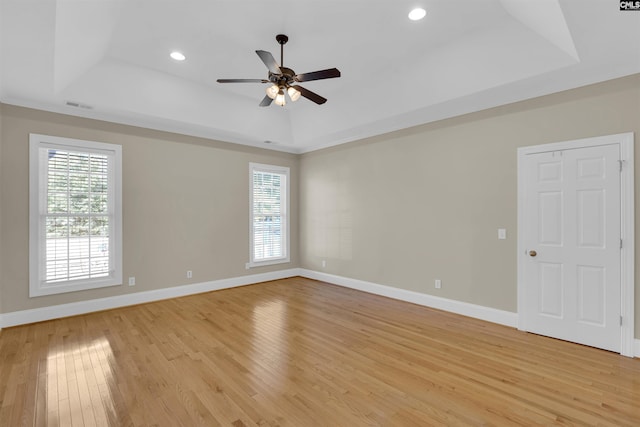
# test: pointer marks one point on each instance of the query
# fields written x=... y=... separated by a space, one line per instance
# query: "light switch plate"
x=502 y=233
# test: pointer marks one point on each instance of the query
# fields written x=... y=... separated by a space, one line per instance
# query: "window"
x=75 y=215
x=269 y=214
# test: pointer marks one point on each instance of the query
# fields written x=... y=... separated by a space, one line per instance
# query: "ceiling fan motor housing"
x=287 y=77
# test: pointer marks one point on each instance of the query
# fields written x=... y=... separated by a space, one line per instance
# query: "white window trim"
x=286 y=215
x=37 y=202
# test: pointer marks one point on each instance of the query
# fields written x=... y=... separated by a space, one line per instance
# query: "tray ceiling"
x=109 y=59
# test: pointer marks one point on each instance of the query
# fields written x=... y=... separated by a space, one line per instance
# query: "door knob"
x=533 y=253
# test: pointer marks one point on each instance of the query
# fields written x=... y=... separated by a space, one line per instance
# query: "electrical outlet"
x=324 y=263
x=132 y=281
x=189 y=274
x=438 y=283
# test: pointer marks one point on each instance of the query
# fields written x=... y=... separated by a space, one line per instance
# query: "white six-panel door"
x=572 y=241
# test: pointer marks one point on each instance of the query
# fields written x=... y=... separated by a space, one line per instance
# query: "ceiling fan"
x=283 y=80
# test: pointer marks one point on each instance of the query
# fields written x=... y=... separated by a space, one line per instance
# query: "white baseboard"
x=493 y=315
x=501 y=317
x=72 y=309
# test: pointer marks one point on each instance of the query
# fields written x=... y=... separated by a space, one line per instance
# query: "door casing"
x=627 y=211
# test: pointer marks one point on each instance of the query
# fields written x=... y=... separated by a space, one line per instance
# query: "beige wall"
x=1 y=197
x=185 y=205
x=400 y=209
x=425 y=203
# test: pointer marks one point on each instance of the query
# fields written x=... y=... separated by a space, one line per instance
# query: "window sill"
x=38 y=291
x=265 y=263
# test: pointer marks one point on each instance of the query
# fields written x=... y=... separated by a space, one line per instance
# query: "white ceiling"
x=466 y=55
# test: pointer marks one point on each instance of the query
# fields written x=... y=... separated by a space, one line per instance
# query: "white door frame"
x=627 y=209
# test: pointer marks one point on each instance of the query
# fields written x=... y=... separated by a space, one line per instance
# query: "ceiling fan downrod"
x=282 y=39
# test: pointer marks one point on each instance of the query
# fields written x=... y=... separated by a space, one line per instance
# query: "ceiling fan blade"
x=312 y=96
x=329 y=73
x=242 y=81
x=266 y=101
x=268 y=60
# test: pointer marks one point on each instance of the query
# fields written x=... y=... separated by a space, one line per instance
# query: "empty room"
x=319 y=213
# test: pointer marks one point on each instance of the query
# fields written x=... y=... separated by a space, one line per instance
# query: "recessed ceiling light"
x=178 y=56
x=417 y=14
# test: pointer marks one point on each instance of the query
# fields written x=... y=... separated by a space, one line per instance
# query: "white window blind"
x=269 y=214
x=76 y=215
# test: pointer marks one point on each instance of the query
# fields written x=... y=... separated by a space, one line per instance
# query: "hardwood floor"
x=297 y=352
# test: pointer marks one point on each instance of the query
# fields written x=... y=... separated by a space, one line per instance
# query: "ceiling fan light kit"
x=283 y=80
x=294 y=93
x=280 y=99
x=272 y=91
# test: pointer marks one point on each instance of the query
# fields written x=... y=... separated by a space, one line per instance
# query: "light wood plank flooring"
x=298 y=352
